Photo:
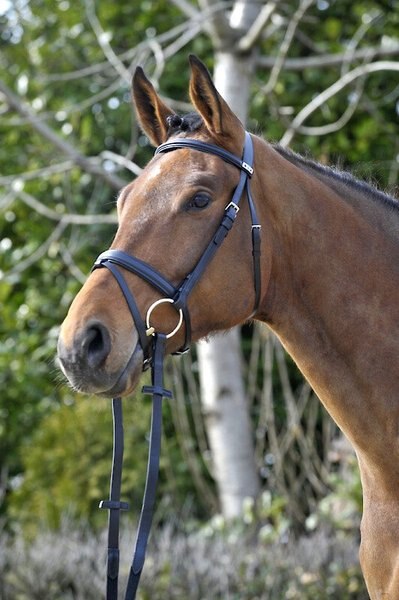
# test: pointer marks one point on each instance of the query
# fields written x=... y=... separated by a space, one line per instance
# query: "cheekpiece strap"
x=246 y=166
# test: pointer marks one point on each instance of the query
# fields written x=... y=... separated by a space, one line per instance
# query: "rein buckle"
x=232 y=205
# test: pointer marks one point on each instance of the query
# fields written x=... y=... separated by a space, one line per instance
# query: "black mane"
x=185 y=124
x=343 y=177
x=192 y=122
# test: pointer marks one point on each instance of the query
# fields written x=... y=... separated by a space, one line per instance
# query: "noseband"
x=154 y=352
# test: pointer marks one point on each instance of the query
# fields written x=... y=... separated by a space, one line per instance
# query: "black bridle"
x=154 y=353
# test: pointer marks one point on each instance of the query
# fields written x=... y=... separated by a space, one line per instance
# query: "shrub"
x=206 y=563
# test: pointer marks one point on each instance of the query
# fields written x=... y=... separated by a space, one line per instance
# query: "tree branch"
x=186 y=37
x=218 y=26
x=186 y=8
x=38 y=253
x=353 y=103
x=104 y=44
x=66 y=218
x=128 y=55
x=354 y=42
x=72 y=108
x=248 y=41
x=285 y=46
x=44 y=172
x=336 y=87
x=332 y=127
x=89 y=165
x=326 y=60
x=121 y=161
x=72 y=266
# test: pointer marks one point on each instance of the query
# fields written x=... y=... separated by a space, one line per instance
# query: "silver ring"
x=150 y=329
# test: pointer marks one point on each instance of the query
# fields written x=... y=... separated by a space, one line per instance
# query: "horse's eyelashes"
x=199 y=201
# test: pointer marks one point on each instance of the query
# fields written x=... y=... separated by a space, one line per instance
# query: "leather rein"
x=153 y=344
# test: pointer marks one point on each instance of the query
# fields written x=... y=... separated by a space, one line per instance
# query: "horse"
x=328 y=276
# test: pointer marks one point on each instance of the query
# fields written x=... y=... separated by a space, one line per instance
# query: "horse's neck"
x=333 y=301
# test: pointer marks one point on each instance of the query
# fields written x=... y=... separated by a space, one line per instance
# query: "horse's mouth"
x=129 y=377
x=100 y=382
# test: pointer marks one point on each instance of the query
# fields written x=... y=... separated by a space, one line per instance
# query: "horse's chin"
x=129 y=377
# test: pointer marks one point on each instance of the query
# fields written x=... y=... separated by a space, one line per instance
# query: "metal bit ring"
x=150 y=329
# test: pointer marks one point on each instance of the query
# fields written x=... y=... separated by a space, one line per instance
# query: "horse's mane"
x=342 y=177
x=192 y=122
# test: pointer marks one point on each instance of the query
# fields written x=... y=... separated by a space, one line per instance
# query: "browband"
x=209 y=149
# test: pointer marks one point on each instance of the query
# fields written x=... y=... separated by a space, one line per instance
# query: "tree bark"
x=222 y=389
x=227 y=421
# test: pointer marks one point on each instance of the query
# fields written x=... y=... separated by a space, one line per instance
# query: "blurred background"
x=279 y=518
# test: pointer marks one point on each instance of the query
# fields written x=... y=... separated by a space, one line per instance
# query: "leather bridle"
x=154 y=353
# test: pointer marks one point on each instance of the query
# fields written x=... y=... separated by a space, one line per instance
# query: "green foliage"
x=368 y=141
x=67 y=464
x=56 y=447
x=42 y=43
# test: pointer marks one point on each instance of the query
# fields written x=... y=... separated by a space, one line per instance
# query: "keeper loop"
x=113 y=505
x=156 y=389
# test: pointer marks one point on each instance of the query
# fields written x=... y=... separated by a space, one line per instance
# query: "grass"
x=206 y=563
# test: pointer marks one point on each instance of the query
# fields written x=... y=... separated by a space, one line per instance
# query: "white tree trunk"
x=227 y=421
x=222 y=390
x=232 y=77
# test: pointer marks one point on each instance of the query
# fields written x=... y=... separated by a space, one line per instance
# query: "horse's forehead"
x=180 y=164
x=154 y=176
x=155 y=170
x=171 y=172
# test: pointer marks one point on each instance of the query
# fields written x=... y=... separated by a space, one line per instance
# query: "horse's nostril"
x=96 y=344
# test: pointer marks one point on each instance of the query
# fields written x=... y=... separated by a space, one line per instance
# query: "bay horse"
x=329 y=279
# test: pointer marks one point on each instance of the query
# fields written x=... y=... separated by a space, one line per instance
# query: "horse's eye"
x=199 y=201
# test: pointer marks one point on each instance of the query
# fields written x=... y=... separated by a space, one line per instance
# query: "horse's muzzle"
x=85 y=363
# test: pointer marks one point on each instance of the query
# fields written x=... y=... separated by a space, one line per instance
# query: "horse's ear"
x=216 y=113
x=151 y=111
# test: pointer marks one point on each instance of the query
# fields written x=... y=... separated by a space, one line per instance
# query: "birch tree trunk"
x=222 y=389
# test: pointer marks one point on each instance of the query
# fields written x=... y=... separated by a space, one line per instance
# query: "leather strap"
x=158 y=392
x=112 y=260
x=181 y=294
x=137 y=266
x=209 y=149
x=114 y=505
x=229 y=216
x=134 y=311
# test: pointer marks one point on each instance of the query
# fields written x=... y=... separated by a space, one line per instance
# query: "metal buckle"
x=150 y=329
x=256 y=226
x=247 y=168
x=233 y=205
x=147 y=362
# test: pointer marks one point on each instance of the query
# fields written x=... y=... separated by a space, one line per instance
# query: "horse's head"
x=167 y=217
